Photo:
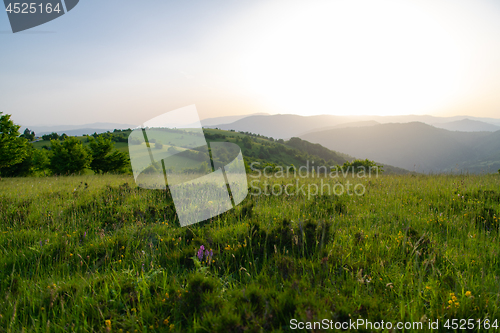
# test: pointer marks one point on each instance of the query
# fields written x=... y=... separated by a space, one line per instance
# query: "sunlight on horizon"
x=354 y=58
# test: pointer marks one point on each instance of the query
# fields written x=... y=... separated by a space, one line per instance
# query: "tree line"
x=67 y=155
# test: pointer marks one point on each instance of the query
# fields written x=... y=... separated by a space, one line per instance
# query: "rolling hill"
x=468 y=125
x=285 y=126
x=416 y=146
x=259 y=149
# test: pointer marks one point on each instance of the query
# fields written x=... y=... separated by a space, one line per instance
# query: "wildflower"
x=200 y=253
x=165 y=322
x=108 y=323
x=208 y=255
x=468 y=294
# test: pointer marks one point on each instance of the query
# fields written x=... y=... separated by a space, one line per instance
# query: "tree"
x=12 y=147
x=35 y=160
x=103 y=159
x=247 y=143
x=40 y=160
x=23 y=168
x=29 y=135
x=68 y=157
x=362 y=165
x=51 y=136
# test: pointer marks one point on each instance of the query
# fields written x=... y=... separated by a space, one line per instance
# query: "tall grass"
x=96 y=253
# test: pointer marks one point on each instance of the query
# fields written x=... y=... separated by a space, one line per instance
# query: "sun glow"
x=354 y=57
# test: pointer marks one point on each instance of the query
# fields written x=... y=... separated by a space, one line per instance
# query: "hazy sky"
x=126 y=62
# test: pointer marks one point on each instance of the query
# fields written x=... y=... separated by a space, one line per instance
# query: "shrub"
x=68 y=156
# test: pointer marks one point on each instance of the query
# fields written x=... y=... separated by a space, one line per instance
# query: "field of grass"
x=97 y=254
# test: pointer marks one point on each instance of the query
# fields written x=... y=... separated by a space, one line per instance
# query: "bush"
x=12 y=147
x=103 y=160
x=68 y=157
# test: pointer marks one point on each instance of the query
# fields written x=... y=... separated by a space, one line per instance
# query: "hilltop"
x=257 y=149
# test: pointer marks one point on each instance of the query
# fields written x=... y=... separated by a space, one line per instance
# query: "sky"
x=127 y=62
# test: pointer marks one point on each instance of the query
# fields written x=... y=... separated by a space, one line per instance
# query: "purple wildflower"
x=200 y=253
x=208 y=255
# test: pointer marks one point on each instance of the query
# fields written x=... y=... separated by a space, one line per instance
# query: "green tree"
x=247 y=142
x=23 y=168
x=29 y=135
x=12 y=147
x=103 y=158
x=68 y=157
x=40 y=160
x=362 y=165
x=51 y=136
x=35 y=161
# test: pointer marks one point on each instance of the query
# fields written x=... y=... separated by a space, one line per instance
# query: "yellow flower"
x=468 y=293
x=450 y=301
x=165 y=322
x=108 y=323
x=427 y=287
x=457 y=304
x=171 y=327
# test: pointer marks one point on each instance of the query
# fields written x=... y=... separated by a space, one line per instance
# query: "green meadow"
x=98 y=254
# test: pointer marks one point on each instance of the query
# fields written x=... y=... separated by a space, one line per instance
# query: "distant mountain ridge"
x=468 y=125
x=77 y=132
x=416 y=146
x=75 y=129
x=285 y=126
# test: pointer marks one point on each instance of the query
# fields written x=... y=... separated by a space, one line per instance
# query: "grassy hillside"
x=255 y=148
x=98 y=254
